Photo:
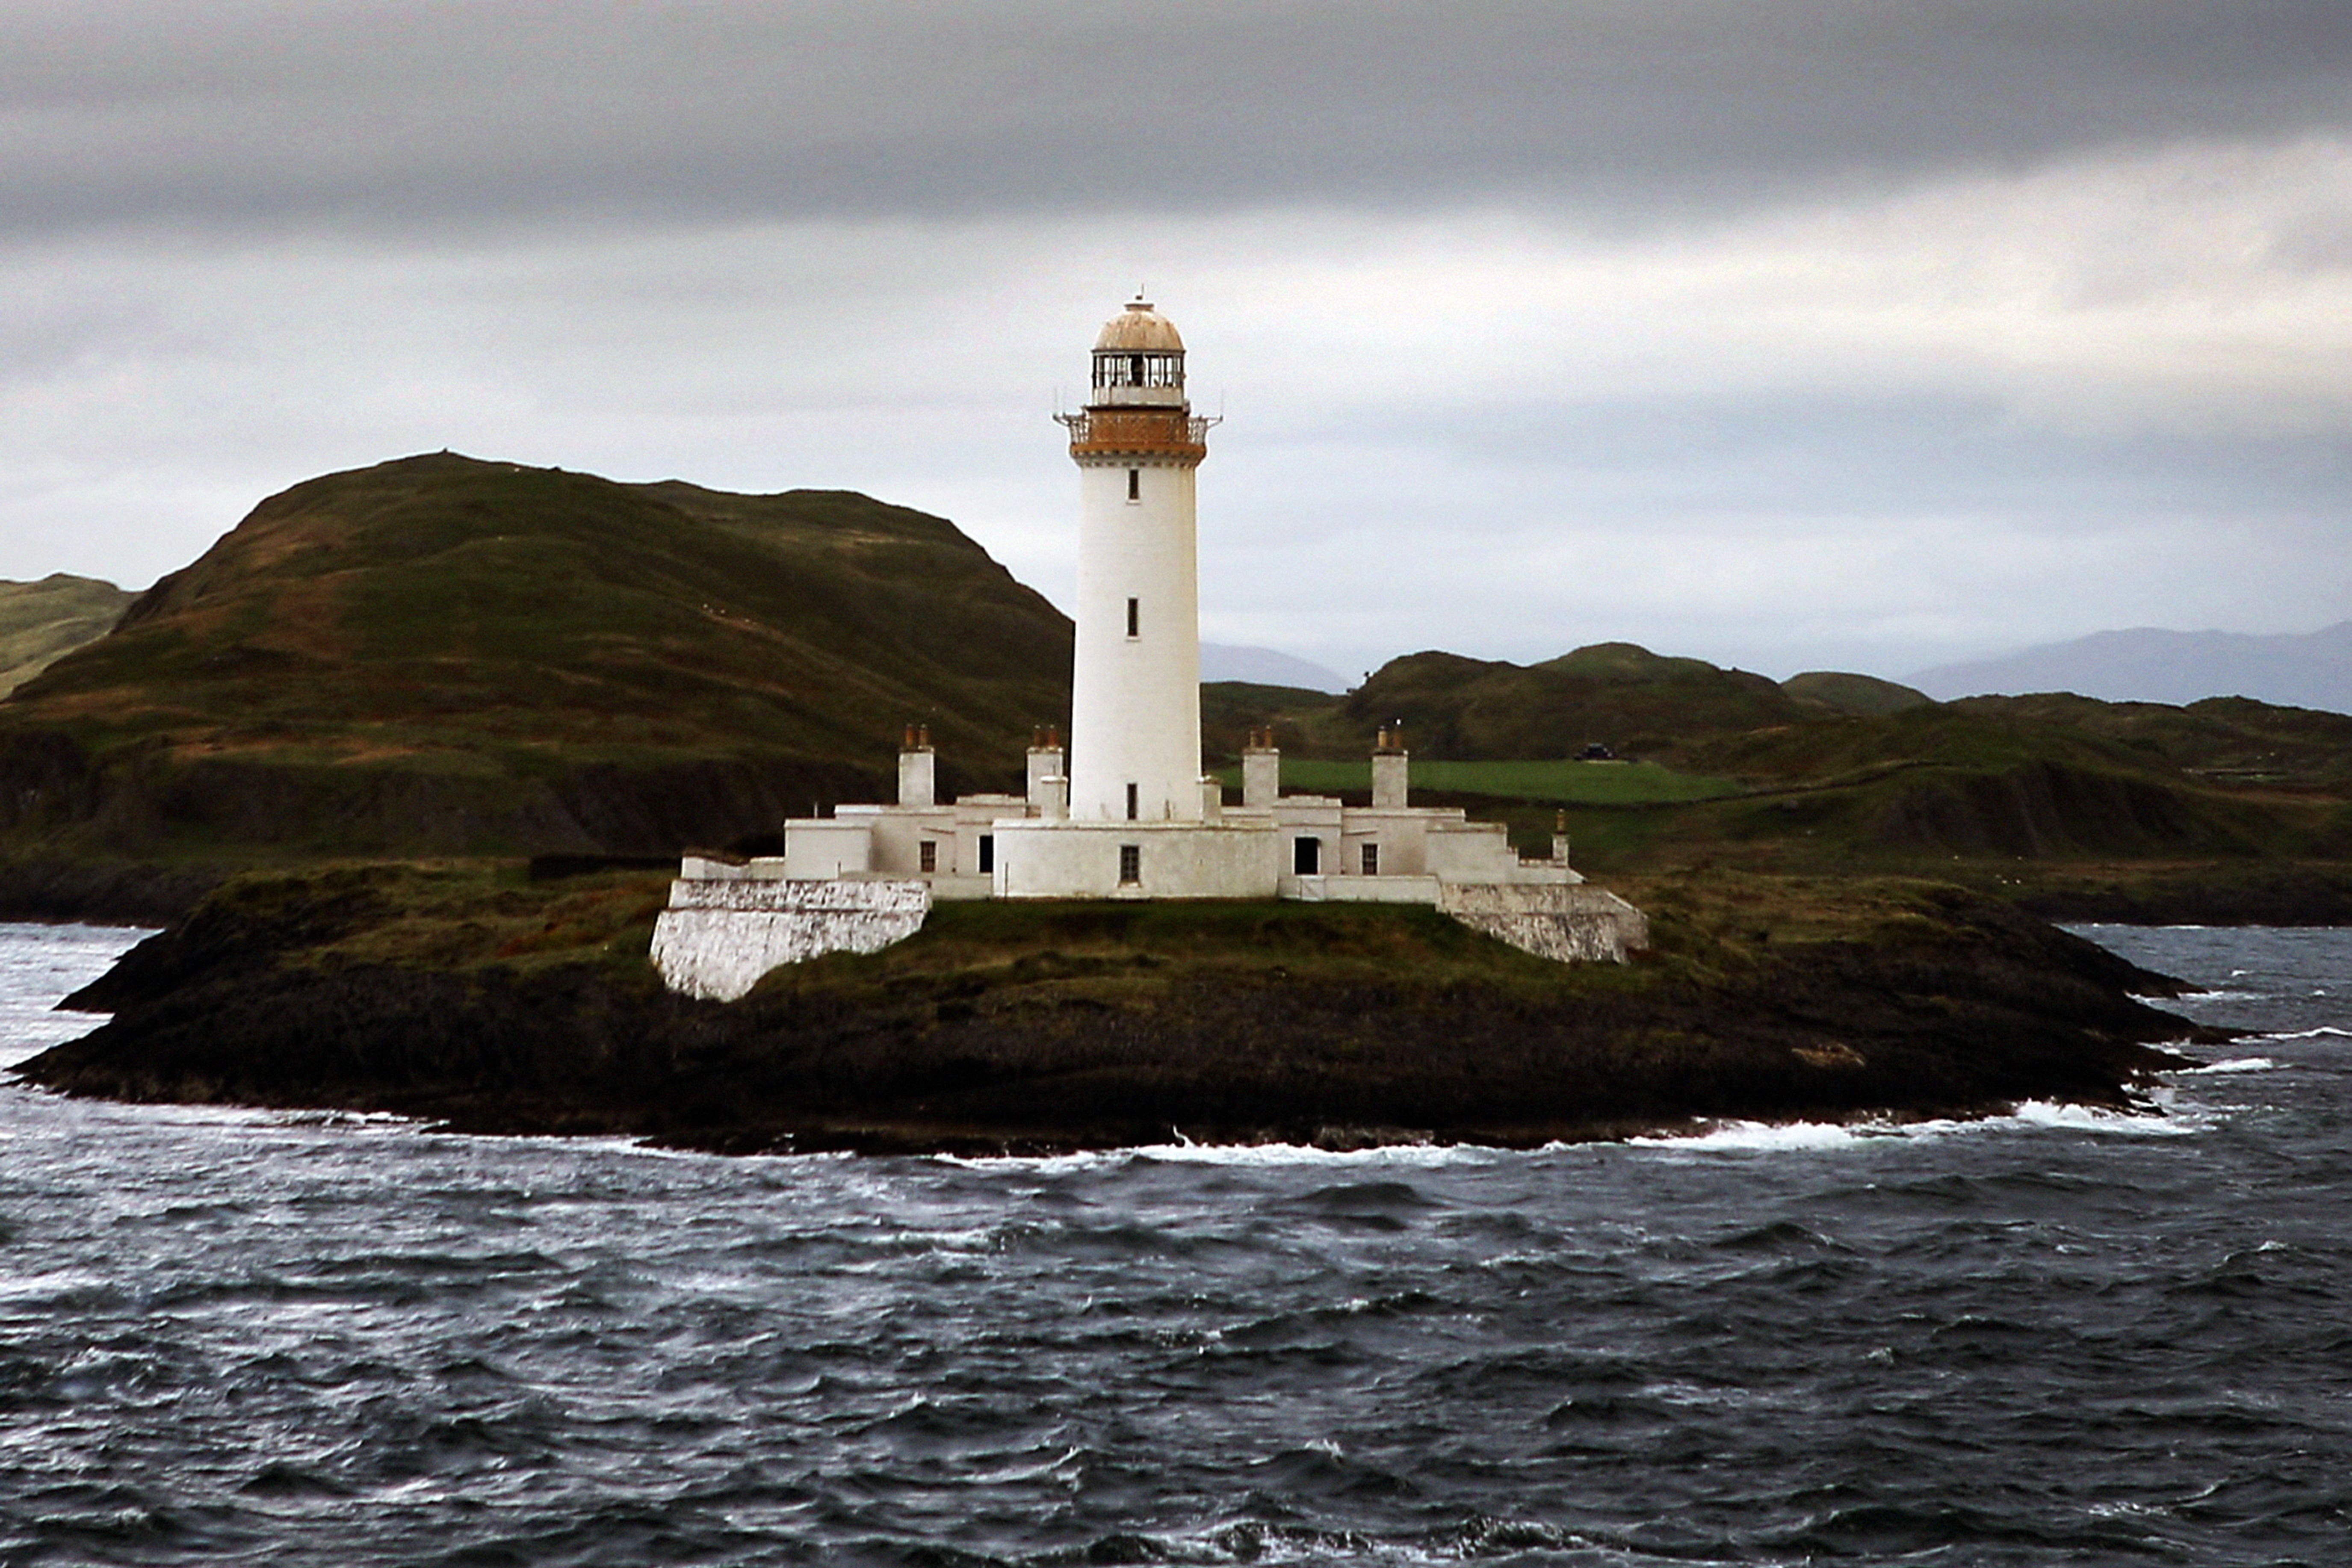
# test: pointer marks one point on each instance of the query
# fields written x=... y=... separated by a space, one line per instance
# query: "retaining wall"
x=719 y=937
x=1572 y=923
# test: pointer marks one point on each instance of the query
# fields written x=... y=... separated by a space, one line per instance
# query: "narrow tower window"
x=1130 y=863
x=1135 y=484
x=927 y=856
x=1134 y=618
x=1130 y=803
x=1371 y=859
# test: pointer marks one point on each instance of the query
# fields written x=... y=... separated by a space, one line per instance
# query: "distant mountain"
x=1266 y=666
x=2148 y=664
x=42 y=622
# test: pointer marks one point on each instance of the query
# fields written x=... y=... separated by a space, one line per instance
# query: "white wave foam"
x=1418 y=1155
x=2234 y=1063
x=1721 y=1137
x=2099 y=1119
x=2324 y=1031
x=1769 y=1135
x=1766 y=1137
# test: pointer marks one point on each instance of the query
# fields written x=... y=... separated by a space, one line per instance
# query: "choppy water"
x=2060 y=1338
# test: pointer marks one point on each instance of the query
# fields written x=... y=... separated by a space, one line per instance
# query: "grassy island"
x=468 y=993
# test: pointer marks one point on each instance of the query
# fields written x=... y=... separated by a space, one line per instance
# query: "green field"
x=1562 y=782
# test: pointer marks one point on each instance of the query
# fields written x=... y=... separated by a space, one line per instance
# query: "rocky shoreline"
x=485 y=1006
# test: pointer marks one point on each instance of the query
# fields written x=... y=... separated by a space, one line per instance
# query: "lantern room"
x=1139 y=359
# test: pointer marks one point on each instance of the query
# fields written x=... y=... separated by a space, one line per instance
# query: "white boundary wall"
x=1563 y=921
x=719 y=937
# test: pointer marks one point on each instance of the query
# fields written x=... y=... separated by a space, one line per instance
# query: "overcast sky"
x=1861 y=336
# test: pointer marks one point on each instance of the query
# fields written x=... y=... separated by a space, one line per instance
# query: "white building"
x=1132 y=816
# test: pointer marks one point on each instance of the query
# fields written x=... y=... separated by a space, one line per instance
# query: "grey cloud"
x=1889 y=456
x=365 y=113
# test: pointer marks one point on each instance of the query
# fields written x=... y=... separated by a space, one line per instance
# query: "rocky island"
x=474 y=996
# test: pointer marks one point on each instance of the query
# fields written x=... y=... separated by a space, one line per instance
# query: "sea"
x=2060 y=1336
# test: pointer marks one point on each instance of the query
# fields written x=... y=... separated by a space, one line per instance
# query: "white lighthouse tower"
x=1135 y=688
x=1140 y=820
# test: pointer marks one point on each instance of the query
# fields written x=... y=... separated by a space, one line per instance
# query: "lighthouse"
x=1135 y=690
x=1132 y=816
x=1140 y=820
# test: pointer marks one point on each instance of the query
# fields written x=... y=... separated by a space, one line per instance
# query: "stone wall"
x=1570 y=923
x=719 y=937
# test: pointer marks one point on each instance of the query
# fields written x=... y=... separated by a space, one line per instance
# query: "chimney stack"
x=1389 y=762
x=1261 y=771
x=918 y=769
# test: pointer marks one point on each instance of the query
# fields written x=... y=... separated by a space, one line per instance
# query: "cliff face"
x=500 y=1006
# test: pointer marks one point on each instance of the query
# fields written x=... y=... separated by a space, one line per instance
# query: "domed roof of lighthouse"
x=1139 y=328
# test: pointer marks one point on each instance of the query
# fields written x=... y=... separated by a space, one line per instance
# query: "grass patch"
x=453 y=914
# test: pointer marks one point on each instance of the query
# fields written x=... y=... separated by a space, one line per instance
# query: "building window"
x=987 y=853
x=1135 y=484
x=927 y=856
x=1116 y=369
x=1371 y=859
x=1130 y=803
x=1135 y=617
x=1131 y=865
x=1306 y=857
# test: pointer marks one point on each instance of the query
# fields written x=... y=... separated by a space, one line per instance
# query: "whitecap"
x=2100 y=1118
x=2234 y=1063
x=1419 y=1155
x=2327 y=1030
x=1768 y=1137
x=1726 y=1136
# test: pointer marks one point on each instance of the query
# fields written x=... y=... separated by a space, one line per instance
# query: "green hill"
x=446 y=655
x=2227 y=740
x=42 y=622
x=1840 y=774
x=1633 y=701
x=1853 y=693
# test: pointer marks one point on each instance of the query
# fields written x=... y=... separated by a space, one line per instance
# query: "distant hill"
x=2148 y=664
x=443 y=654
x=1853 y=693
x=42 y=622
x=1835 y=772
x=1266 y=666
x=1626 y=698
